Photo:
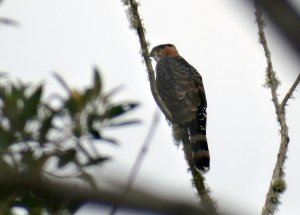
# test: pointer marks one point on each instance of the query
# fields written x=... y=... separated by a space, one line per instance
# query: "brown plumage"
x=181 y=89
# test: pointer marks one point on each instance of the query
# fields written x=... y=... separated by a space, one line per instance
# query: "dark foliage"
x=36 y=133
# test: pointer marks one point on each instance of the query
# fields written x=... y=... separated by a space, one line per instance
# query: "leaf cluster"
x=36 y=133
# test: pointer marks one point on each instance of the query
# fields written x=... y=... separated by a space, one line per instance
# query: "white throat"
x=156 y=58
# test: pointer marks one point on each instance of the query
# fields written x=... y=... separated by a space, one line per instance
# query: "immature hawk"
x=181 y=89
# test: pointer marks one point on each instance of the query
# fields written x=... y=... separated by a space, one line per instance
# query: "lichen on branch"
x=277 y=185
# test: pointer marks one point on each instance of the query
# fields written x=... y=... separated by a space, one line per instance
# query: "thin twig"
x=198 y=180
x=139 y=159
x=277 y=185
x=62 y=82
x=271 y=81
x=290 y=92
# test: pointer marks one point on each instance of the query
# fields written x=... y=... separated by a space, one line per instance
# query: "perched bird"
x=181 y=89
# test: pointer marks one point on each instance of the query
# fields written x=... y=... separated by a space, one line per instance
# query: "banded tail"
x=197 y=134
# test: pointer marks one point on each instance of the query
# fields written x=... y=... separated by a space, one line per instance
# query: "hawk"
x=181 y=89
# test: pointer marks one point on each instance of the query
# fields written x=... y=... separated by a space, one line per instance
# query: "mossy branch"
x=198 y=179
x=277 y=185
x=136 y=23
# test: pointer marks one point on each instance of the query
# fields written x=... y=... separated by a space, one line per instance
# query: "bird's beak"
x=152 y=53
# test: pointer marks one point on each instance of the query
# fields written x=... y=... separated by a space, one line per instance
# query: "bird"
x=182 y=91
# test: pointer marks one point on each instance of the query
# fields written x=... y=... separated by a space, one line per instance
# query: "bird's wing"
x=179 y=88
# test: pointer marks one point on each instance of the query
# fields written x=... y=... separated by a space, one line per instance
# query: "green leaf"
x=66 y=157
x=97 y=82
x=46 y=125
x=87 y=97
x=118 y=110
x=31 y=104
x=6 y=139
x=35 y=97
x=13 y=106
x=90 y=120
x=115 y=111
x=73 y=105
x=95 y=134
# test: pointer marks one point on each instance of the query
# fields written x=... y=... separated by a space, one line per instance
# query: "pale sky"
x=217 y=37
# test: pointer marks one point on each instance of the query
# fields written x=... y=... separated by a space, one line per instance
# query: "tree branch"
x=277 y=185
x=290 y=92
x=8 y=21
x=198 y=180
x=64 y=192
x=136 y=23
x=286 y=19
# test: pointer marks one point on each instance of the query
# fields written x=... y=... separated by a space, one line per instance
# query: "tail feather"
x=197 y=134
x=200 y=152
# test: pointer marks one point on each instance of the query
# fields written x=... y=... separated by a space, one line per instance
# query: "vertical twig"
x=277 y=185
x=286 y=19
x=138 y=162
x=136 y=23
x=198 y=180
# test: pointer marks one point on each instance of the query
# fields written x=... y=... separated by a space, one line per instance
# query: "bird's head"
x=164 y=50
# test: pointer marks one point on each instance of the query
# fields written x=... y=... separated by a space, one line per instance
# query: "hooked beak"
x=152 y=53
